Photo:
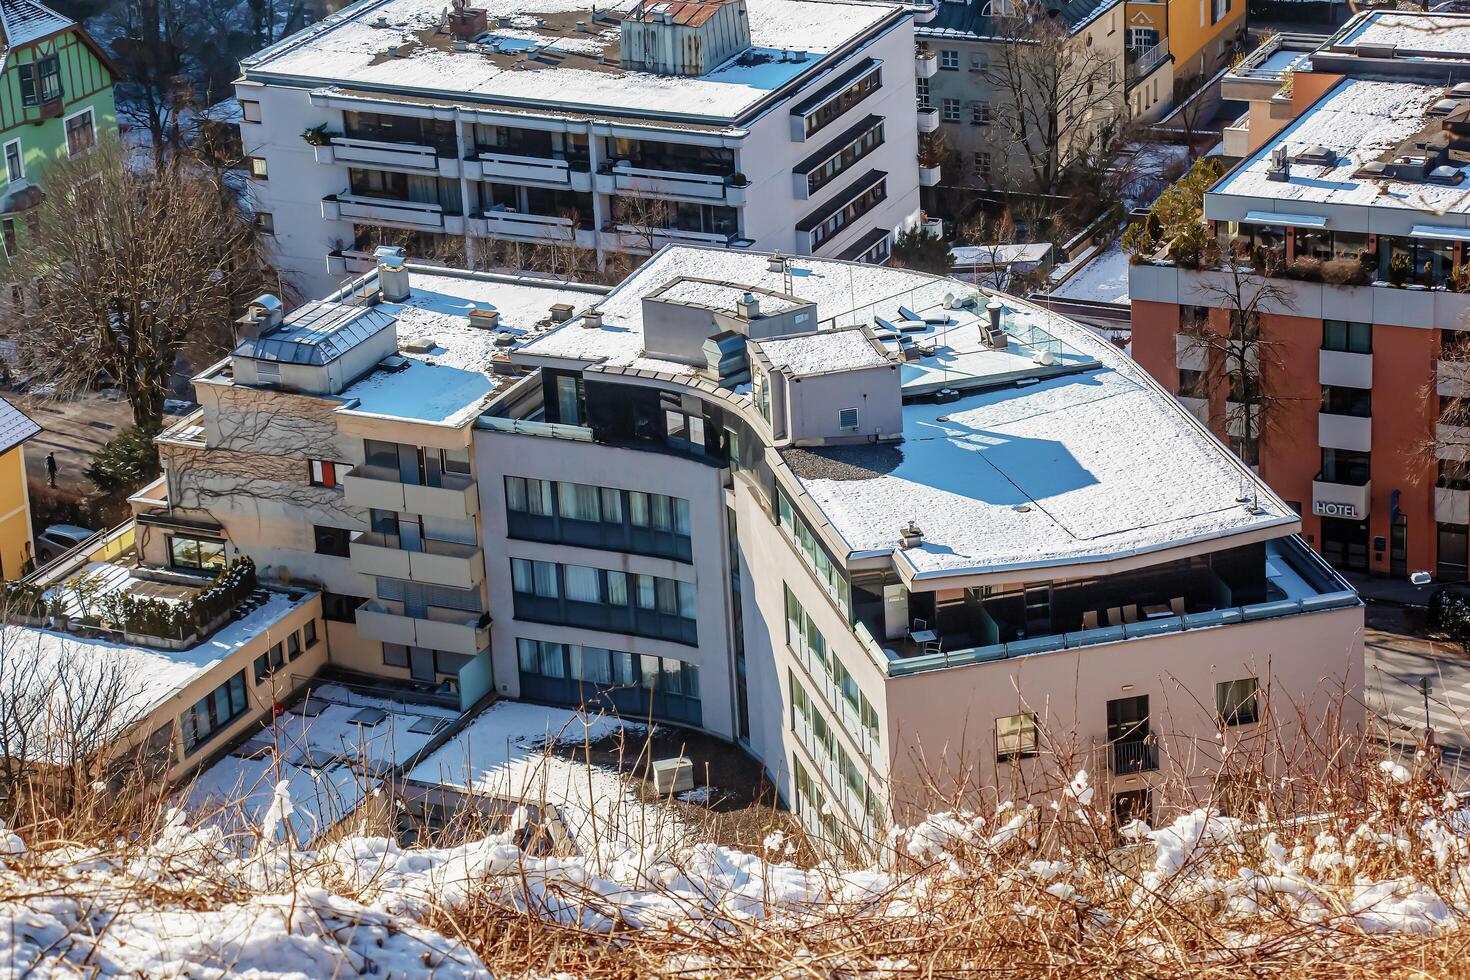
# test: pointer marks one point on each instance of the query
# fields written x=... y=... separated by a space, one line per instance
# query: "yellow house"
x=16 y=547
x=1178 y=43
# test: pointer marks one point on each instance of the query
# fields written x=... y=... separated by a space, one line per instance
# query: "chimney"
x=910 y=536
x=465 y=22
x=485 y=319
x=561 y=312
x=392 y=274
x=748 y=307
x=776 y=263
x=592 y=318
x=262 y=315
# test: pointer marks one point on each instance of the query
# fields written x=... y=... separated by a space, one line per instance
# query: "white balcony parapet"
x=926 y=64
x=1345 y=370
x=627 y=179
x=1350 y=432
x=928 y=119
x=929 y=176
x=510 y=166
x=409 y=155
x=460 y=566
x=386 y=209
x=448 y=630
x=381 y=487
x=1451 y=506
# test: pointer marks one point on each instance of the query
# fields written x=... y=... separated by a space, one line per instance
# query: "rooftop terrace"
x=558 y=53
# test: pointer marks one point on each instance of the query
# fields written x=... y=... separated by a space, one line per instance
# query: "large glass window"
x=605 y=599
x=1347 y=336
x=1345 y=466
x=590 y=516
x=836 y=106
x=201 y=554
x=635 y=686
x=828 y=572
x=213 y=712
x=1341 y=400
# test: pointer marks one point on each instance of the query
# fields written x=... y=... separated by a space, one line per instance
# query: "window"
x=266 y=222
x=15 y=168
x=761 y=392
x=568 y=400
x=843 y=101
x=331 y=540
x=395 y=655
x=259 y=169
x=49 y=68
x=921 y=92
x=81 y=133
x=604 y=599
x=325 y=473
x=1142 y=38
x=1340 y=400
x=1015 y=737
x=1236 y=701
x=28 y=94
x=843 y=160
x=201 y=554
x=684 y=431
x=979 y=61
x=950 y=110
x=269 y=662
x=1192 y=384
x=949 y=60
x=980 y=112
x=828 y=573
x=213 y=712
x=982 y=166
x=308 y=631
x=293 y=646
x=338 y=608
x=534 y=577
x=250 y=110
x=1345 y=466
x=847 y=418
x=1347 y=336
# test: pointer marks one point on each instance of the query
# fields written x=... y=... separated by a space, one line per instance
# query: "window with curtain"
x=582 y=583
x=578 y=502
x=1015 y=737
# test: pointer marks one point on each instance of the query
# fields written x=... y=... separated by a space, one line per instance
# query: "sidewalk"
x=1398 y=591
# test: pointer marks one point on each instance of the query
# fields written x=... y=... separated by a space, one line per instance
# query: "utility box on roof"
x=683 y=37
x=672 y=776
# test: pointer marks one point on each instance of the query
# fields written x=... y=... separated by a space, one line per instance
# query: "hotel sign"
x=1336 y=508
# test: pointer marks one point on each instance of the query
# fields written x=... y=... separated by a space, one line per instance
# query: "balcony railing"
x=338 y=206
x=460 y=566
x=1127 y=757
x=448 y=630
x=1141 y=61
x=383 y=487
x=407 y=155
x=628 y=179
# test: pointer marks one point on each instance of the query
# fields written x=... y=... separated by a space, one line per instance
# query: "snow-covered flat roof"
x=827 y=350
x=141 y=677
x=1440 y=33
x=449 y=382
x=1359 y=119
x=1083 y=467
x=542 y=58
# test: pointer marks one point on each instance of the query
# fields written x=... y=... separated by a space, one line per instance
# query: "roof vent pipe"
x=748 y=306
x=776 y=263
x=592 y=318
x=910 y=536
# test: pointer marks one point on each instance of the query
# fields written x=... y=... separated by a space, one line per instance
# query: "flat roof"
x=826 y=350
x=1360 y=119
x=316 y=333
x=1409 y=31
x=141 y=676
x=1106 y=463
x=396 y=44
x=450 y=381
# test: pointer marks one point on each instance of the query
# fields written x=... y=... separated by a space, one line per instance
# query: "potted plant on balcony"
x=1399 y=268
x=318 y=135
x=737 y=179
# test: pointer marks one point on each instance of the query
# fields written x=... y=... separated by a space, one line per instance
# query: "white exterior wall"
x=766 y=152
x=498 y=455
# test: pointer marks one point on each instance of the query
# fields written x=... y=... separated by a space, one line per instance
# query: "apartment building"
x=1174 y=45
x=876 y=526
x=17 y=548
x=1349 y=214
x=489 y=136
x=908 y=536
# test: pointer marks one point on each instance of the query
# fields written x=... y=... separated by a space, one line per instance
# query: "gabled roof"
x=15 y=426
x=25 y=21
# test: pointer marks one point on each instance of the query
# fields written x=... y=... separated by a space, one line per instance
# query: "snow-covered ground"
x=1102 y=279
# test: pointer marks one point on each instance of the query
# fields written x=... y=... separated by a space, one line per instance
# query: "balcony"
x=381 y=487
x=448 y=630
x=342 y=207
x=1128 y=757
x=629 y=237
x=1260 y=74
x=1344 y=432
x=1344 y=369
x=376 y=153
x=623 y=178
x=512 y=167
x=1237 y=136
x=459 y=566
x=504 y=223
x=926 y=64
x=1348 y=501
x=928 y=119
x=1139 y=62
x=1452 y=378
x=928 y=176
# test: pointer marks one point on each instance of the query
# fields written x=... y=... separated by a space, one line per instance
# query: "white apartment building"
x=873 y=525
x=474 y=132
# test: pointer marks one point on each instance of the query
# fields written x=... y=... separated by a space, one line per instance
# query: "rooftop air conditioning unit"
x=1279 y=167
x=672 y=776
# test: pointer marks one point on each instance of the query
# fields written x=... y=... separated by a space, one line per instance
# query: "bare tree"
x=1241 y=362
x=125 y=272
x=1446 y=446
x=1057 y=98
x=641 y=220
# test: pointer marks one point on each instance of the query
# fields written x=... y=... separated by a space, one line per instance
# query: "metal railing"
x=1141 y=61
x=1130 y=756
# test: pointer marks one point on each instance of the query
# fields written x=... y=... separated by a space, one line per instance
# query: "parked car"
x=57 y=540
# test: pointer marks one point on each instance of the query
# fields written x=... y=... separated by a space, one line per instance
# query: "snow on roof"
x=142 y=677
x=827 y=350
x=450 y=382
x=836 y=287
x=24 y=21
x=15 y=426
x=500 y=754
x=1083 y=467
x=1102 y=279
x=1360 y=119
x=329 y=762
x=1033 y=253
x=722 y=296
x=1443 y=33
x=789 y=38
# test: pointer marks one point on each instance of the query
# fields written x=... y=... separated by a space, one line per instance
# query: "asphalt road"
x=1395 y=664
